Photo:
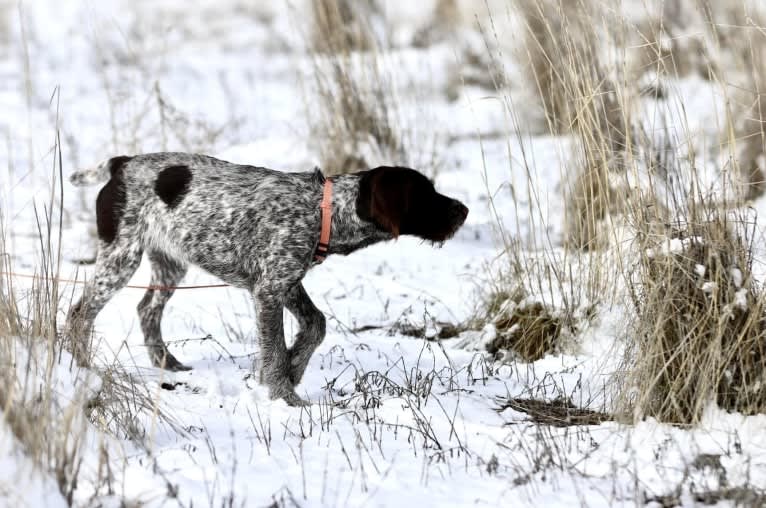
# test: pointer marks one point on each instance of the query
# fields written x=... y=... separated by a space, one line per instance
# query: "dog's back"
x=203 y=210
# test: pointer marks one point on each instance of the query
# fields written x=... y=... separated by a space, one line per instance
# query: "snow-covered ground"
x=398 y=418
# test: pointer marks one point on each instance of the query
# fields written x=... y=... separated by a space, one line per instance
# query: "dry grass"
x=699 y=326
x=562 y=58
x=124 y=404
x=50 y=427
x=698 y=334
x=342 y=25
x=47 y=401
x=557 y=413
x=672 y=43
x=750 y=149
x=445 y=21
x=529 y=330
x=744 y=139
x=358 y=120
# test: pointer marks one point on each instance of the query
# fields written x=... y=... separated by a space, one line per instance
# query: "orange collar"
x=324 y=235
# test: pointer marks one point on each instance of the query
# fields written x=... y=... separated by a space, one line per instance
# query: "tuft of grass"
x=700 y=333
x=123 y=402
x=528 y=330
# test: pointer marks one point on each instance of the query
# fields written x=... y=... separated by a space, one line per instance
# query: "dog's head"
x=401 y=201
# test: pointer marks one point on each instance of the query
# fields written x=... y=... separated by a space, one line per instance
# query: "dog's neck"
x=349 y=232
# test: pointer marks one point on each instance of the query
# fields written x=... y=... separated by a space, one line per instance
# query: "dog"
x=254 y=228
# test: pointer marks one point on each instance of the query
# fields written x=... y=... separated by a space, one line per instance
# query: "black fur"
x=172 y=184
x=111 y=200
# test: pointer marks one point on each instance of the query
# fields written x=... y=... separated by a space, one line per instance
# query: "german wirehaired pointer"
x=252 y=227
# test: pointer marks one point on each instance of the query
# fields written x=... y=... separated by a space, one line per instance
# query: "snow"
x=395 y=419
x=22 y=484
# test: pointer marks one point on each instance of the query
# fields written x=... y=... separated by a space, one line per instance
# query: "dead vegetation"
x=572 y=53
x=53 y=407
x=744 y=139
x=357 y=112
x=563 y=58
x=530 y=331
x=49 y=427
x=554 y=43
x=700 y=332
x=444 y=23
x=523 y=329
x=342 y=25
x=669 y=42
x=560 y=412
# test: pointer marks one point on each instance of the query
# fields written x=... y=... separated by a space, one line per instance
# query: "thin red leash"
x=154 y=288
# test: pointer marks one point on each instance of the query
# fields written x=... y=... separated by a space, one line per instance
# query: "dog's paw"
x=294 y=400
x=287 y=393
x=163 y=359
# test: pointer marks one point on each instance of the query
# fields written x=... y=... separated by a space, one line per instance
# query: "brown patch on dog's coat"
x=402 y=201
x=172 y=184
x=383 y=198
x=111 y=200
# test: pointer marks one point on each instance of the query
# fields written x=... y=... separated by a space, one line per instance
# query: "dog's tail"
x=92 y=175
x=98 y=173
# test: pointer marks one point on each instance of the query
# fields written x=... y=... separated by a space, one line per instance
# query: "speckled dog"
x=253 y=228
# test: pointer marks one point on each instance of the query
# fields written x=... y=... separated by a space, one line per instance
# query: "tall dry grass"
x=353 y=109
x=581 y=89
x=54 y=408
x=638 y=206
x=699 y=332
x=49 y=426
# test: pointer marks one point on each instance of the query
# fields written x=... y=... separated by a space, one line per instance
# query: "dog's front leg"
x=275 y=361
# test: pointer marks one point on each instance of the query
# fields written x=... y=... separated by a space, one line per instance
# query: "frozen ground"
x=397 y=419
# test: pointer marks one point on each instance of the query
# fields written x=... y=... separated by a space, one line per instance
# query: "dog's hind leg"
x=115 y=265
x=166 y=274
x=312 y=330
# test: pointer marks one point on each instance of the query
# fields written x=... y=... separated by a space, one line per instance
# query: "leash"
x=324 y=235
x=131 y=286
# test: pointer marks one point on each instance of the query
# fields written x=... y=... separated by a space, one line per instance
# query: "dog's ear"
x=384 y=198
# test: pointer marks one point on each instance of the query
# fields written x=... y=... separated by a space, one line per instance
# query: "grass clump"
x=525 y=329
x=700 y=325
x=341 y=25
